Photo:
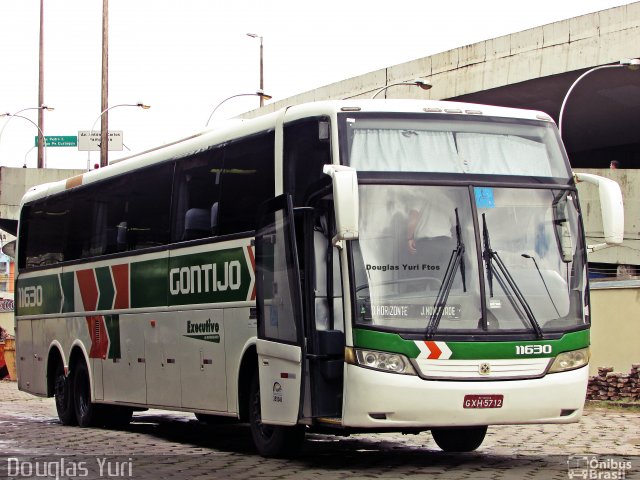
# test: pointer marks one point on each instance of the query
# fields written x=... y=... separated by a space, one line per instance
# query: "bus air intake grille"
x=482 y=369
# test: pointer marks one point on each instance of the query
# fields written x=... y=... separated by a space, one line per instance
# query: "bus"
x=337 y=267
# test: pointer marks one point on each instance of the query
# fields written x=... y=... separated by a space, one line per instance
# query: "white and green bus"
x=344 y=267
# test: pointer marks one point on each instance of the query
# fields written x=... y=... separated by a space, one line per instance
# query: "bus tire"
x=63 y=393
x=465 y=439
x=271 y=440
x=87 y=412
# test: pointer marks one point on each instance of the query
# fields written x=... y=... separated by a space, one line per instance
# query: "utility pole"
x=41 y=139
x=104 y=125
x=259 y=37
x=261 y=72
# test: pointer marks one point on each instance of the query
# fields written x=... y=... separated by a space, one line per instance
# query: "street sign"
x=90 y=140
x=59 y=141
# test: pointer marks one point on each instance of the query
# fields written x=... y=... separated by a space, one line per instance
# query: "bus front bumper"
x=374 y=399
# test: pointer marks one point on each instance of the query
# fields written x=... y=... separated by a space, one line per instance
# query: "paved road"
x=163 y=445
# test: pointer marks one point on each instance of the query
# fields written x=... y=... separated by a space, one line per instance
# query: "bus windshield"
x=433 y=258
x=467 y=144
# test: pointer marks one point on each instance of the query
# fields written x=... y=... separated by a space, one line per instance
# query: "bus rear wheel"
x=271 y=440
x=63 y=393
x=464 y=439
x=87 y=412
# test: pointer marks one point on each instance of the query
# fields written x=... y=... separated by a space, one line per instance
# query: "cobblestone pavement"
x=170 y=445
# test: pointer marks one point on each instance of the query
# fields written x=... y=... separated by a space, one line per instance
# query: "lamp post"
x=631 y=64
x=255 y=35
x=16 y=114
x=139 y=104
x=44 y=142
x=424 y=85
x=259 y=93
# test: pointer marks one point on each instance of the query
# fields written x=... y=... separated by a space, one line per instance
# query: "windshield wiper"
x=491 y=257
x=455 y=261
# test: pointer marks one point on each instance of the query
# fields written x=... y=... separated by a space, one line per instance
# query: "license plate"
x=483 y=401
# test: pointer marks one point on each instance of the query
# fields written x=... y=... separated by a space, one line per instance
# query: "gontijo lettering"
x=205 y=278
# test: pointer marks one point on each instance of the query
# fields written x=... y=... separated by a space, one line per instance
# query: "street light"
x=259 y=93
x=44 y=144
x=424 y=85
x=139 y=104
x=630 y=63
x=41 y=107
x=255 y=35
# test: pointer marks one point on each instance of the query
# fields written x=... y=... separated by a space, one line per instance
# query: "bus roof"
x=241 y=127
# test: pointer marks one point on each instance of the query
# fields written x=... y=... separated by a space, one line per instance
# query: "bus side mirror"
x=345 y=201
x=611 y=207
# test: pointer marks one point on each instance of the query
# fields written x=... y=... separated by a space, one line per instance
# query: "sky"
x=184 y=58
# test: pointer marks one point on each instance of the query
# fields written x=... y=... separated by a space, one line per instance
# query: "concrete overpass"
x=534 y=69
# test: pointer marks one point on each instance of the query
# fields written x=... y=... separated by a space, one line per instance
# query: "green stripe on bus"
x=68 y=291
x=38 y=295
x=472 y=350
x=149 y=283
x=105 y=287
x=507 y=350
x=386 y=342
x=112 y=322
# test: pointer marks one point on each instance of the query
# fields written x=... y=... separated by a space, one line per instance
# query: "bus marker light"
x=153 y=323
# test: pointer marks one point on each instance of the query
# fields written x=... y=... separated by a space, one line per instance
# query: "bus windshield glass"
x=421 y=258
x=440 y=143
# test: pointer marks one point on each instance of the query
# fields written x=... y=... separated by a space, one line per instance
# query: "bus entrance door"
x=280 y=344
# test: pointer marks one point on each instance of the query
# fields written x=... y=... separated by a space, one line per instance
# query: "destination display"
x=387 y=311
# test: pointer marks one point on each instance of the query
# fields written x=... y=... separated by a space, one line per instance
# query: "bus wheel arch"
x=248 y=368
x=55 y=361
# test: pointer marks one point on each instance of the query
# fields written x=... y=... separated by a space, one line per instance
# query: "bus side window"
x=42 y=230
x=247 y=181
x=196 y=193
x=148 y=218
x=306 y=150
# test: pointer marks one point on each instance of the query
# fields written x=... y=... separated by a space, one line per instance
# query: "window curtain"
x=403 y=151
x=425 y=151
x=502 y=154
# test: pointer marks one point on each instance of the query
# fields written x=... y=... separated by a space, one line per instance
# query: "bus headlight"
x=570 y=360
x=384 y=361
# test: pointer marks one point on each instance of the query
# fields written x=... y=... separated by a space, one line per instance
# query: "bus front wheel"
x=271 y=440
x=465 y=439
